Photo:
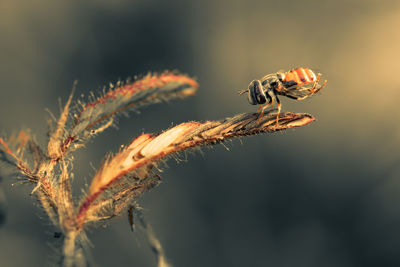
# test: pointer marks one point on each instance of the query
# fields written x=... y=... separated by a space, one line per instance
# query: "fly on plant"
x=297 y=84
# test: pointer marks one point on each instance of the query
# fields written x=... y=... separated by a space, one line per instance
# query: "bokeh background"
x=327 y=194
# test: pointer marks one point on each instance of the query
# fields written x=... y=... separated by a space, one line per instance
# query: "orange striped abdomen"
x=300 y=76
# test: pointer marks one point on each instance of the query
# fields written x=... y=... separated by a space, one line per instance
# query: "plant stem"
x=69 y=257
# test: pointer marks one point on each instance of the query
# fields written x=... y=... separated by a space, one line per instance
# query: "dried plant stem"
x=69 y=258
x=156 y=247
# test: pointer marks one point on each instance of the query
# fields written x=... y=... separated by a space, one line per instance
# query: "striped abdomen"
x=300 y=76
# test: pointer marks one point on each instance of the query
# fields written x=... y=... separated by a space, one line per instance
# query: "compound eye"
x=256 y=93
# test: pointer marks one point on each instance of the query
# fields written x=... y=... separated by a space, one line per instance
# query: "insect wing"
x=296 y=93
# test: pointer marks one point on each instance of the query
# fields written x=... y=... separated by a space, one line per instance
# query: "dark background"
x=322 y=195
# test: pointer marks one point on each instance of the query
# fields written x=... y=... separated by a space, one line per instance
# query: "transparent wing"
x=296 y=92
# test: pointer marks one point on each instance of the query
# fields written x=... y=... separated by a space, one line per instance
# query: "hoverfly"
x=297 y=84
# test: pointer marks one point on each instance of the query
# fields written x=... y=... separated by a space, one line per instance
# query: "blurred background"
x=327 y=194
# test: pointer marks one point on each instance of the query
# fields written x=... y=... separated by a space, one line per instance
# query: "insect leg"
x=321 y=86
x=314 y=89
x=279 y=109
x=262 y=110
x=310 y=91
x=270 y=102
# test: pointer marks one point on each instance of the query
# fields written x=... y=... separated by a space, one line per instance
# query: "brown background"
x=322 y=195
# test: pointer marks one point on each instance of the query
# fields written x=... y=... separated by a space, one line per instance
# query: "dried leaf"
x=54 y=150
x=96 y=116
x=145 y=151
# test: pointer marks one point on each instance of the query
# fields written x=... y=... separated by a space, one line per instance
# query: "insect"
x=297 y=84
